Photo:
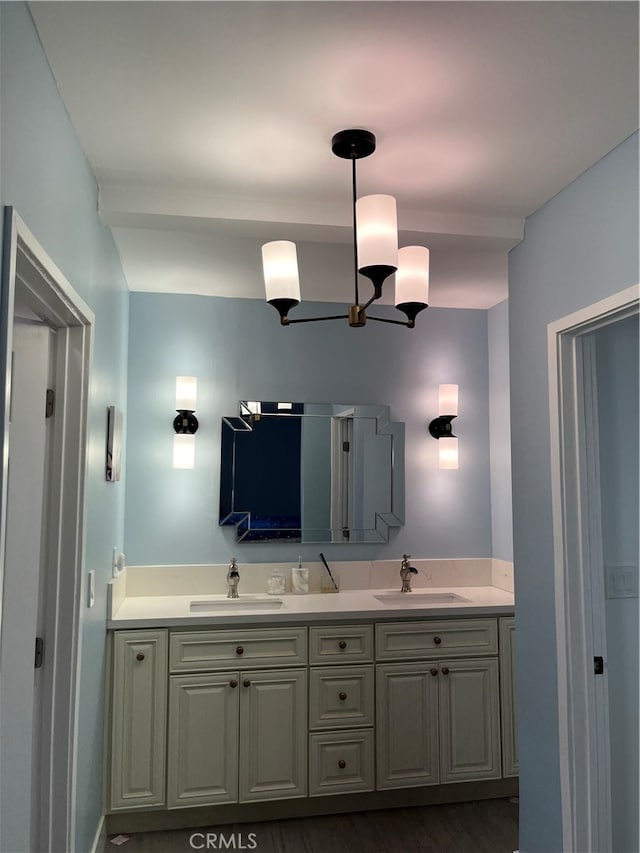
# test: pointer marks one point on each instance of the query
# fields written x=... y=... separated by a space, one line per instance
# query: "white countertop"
x=175 y=610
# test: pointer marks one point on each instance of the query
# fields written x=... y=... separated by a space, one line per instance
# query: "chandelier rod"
x=355 y=229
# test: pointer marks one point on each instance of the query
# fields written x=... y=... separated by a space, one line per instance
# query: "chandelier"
x=375 y=253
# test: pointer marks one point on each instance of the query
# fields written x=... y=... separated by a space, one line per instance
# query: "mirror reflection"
x=311 y=472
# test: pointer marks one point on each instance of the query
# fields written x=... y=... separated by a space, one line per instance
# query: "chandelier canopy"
x=375 y=252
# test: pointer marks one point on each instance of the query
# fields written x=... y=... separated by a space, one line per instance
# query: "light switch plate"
x=621 y=580
x=91 y=588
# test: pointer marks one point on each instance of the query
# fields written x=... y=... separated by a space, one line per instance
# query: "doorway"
x=41 y=540
x=584 y=695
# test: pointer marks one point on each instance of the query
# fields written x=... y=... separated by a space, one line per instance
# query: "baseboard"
x=100 y=837
x=162 y=819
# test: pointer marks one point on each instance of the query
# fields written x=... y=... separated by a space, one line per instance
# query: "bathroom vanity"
x=321 y=704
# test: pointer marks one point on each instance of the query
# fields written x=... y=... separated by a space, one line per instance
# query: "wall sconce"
x=185 y=423
x=440 y=427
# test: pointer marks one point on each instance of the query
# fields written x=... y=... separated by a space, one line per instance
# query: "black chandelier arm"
x=408 y=323
x=287 y=322
x=366 y=305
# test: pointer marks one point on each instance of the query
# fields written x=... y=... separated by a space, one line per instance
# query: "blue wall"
x=237 y=349
x=579 y=248
x=500 y=432
x=46 y=177
x=617 y=380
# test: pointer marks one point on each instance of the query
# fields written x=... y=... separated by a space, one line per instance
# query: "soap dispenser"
x=300 y=578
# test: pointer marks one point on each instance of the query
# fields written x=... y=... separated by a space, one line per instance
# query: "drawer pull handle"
x=342 y=695
x=434 y=671
x=140 y=656
x=246 y=683
x=437 y=640
x=239 y=650
x=342 y=644
x=233 y=683
x=342 y=764
x=445 y=670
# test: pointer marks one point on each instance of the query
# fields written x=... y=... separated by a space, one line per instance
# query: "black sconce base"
x=440 y=427
x=185 y=422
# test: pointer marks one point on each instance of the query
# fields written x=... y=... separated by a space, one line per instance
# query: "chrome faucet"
x=405 y=573
x=233 y=579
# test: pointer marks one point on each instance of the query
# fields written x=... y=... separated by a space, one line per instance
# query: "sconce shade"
x=377 y=231
x=184 y=450
x=186 y=393
x=412 y=277
x=280 y=268
x=448 y=400
x=448 y=452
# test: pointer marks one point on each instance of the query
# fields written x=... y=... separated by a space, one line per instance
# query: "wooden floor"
x=488 y=826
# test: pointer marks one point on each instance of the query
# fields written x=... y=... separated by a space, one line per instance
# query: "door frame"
x=27 y=270
x=578 y=576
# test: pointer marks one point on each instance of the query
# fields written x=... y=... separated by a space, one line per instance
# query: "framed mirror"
x=311 y=472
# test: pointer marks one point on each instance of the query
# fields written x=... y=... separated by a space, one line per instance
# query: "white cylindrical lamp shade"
x=186 y=393
x=412 y=276
x=448 y=452
x=280 y=268
x=184 y=450
x=448 y=400
x=377 y=231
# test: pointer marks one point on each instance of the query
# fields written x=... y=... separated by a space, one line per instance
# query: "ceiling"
x=208 y=127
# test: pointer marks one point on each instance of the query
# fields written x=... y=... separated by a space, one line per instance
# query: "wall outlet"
x=118 y=563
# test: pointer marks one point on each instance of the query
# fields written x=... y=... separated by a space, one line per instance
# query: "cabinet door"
x=469 y=720
x=508 y=696
x=203 y=739
x=407 y=725
x=138 y=722
x=273 y=735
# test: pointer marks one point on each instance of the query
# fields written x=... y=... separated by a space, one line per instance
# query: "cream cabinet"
x=208 y=717
x=138 y=719
x=508 y=696
x=438 y=719
x=237 y=734
x=236 y=737
x=341 y=710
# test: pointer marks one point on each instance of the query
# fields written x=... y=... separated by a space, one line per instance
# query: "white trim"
x=100 y=837
x=51 y=297
x=577 y=547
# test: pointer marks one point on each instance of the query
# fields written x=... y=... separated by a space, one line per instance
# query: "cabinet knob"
x=437 y=640
x=246 y=683
x=445 y=670
x=239 y=650
x=140 y=656
x=434 y=671
x=233 y=683
x=342 y=695
x=342 y=644
x=342 y=764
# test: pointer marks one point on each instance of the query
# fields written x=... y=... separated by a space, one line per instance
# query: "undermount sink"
x=243 y=602
x=418 y=599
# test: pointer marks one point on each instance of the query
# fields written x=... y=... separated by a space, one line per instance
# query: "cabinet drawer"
x=341 y=697
x=193 y=651
x=430 y=639
x=341 y=644
x=340 y=762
